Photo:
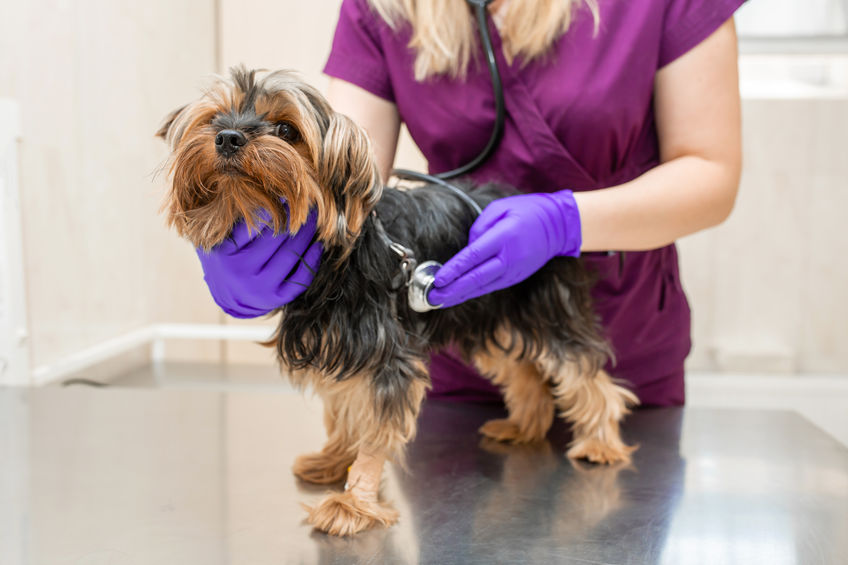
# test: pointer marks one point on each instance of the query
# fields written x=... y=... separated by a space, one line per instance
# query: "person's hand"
x=512 y=239
x=251 y=274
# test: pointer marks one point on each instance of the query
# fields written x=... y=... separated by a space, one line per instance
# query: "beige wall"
x=93 y=79
x=770 y=287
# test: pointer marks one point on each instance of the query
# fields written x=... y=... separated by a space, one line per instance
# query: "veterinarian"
x=622 y=127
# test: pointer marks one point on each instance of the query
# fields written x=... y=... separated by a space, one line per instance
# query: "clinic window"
x=793 y=26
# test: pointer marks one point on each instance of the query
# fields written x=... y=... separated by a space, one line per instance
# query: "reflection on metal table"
x=129 y=476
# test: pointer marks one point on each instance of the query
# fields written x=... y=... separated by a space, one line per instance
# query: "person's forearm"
x=677 y=198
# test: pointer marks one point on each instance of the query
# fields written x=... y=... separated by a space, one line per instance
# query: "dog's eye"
x=287 y=131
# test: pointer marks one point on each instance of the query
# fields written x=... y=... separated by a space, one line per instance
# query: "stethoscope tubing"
x=497 y=129
x=423 y=275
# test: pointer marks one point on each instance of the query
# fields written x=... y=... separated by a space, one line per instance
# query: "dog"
x=351 y=335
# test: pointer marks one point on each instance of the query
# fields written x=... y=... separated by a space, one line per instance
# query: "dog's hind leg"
x=594 y=405
x=526 y=394
x=383 y=422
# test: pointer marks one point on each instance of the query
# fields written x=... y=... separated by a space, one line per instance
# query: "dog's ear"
x=350 y=179
x=169 y=121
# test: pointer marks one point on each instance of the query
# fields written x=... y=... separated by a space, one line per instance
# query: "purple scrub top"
x=580 y=118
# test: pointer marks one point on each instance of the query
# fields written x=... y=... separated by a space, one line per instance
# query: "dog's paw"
x=320 y=468
x=345 y=514
x=597 y=451
x=507 y=431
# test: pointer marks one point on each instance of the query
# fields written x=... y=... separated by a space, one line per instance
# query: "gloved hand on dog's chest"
x=511 y=239
x=252 y=273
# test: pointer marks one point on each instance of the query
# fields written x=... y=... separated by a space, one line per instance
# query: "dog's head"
x=271 y=142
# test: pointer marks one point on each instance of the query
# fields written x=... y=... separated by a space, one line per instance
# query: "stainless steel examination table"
x=132 y=476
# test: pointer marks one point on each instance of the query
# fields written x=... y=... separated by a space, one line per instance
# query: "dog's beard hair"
x=205 y=202
x=330 y=168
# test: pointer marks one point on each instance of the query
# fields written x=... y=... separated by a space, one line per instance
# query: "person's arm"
x=698 y=121
x=379 y=117
x=698 y=125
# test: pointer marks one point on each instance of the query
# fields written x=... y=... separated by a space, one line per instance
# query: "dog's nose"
x=229 y=141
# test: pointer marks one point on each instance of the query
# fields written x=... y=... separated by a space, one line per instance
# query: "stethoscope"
x=420 y=277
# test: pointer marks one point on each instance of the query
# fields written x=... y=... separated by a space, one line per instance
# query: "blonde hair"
x=444 y=35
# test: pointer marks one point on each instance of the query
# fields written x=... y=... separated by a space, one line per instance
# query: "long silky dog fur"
x=351 y=334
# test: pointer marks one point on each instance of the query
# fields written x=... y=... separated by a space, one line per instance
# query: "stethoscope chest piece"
x=420 y=285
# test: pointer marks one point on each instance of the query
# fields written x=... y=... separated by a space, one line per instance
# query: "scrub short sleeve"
x=688 y=22
x=357 y=53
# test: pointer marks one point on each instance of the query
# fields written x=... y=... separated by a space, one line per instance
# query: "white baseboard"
x=702 y=388
x=154 y=335
x=821 y=399
x=728 y=388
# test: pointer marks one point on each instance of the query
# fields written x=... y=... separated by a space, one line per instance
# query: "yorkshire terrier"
x=351 y=335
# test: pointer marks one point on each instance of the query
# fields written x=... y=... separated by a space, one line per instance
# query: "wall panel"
x=93 y=80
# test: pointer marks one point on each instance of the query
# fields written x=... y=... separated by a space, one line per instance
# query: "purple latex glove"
x=251 y=274
x=512 y=239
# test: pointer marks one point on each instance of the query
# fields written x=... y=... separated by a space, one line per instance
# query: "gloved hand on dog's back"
x=251 y=273
x=511 y=239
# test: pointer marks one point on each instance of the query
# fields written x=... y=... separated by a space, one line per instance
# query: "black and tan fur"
x=351 y=335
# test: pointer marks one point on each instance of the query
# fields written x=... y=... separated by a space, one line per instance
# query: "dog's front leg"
x=330 y=465
x=363 y=479
x=378 y=413
x=358 y=507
